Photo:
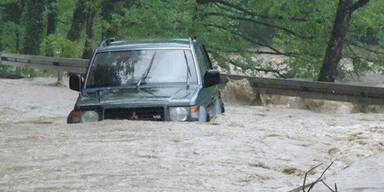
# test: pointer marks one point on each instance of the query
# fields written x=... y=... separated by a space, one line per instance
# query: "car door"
x=207 y=95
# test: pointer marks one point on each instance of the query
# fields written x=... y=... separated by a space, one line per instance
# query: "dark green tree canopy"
x=279 y=37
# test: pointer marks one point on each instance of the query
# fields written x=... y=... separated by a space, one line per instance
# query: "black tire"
x=203 y=114
x=69 y=118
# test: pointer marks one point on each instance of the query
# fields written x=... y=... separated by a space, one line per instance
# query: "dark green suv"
x=160 y=80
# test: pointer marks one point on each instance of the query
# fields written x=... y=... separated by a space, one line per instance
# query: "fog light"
x=76 y=117
x=194 y=112
x=89 y=116
x=178 y=113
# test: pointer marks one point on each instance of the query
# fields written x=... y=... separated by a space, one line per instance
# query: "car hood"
x=138 y=95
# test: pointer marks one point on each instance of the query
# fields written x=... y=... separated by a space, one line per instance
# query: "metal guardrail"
x=72 y=65
x=304 y=89
x=314 y=89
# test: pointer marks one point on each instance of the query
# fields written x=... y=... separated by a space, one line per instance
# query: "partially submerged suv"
x=160 y=80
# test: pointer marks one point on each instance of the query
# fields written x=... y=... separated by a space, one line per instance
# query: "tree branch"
x=235 y=17
x=320 y=178
x=240 y=8
x=277 y=72
x=311 y=185
x=255 y=52
x=276 y=52
x=367 y=49
x=324 y=183
x=358 y=4
x=306 y=174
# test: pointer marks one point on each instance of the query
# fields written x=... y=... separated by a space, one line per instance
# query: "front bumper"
x=144 y=113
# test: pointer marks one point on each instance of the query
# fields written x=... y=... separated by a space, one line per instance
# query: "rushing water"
x=249 y=148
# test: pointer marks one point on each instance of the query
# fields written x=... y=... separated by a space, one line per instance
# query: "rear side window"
x=201 y=59
x=206 y=57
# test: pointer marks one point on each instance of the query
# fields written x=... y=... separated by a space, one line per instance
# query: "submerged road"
x=250 y=148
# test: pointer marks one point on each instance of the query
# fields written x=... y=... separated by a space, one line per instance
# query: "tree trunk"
x=51 y=22
x=91 y=15
x=51 y=29
x=78 y=21
x=52 y=17
x=19 y=8
x=110 y=7
x=334 y=51
x=1 y=34
x=34 y=28
x=107 y=9
x=18 y=69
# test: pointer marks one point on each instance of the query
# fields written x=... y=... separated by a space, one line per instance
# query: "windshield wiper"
x=188 y=69
x=145 y=74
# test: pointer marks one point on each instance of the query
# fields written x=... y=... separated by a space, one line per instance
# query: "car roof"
x=146 y=44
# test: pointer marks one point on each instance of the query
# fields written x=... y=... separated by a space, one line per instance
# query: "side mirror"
x=211 y=78
x=75 y=82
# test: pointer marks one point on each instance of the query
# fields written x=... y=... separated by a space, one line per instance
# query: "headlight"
x=89 y=116
x=178 y=113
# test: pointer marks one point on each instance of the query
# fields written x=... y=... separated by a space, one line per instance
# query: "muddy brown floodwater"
x=249 y=148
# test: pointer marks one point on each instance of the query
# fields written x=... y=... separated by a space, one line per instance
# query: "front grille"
x=150 y=113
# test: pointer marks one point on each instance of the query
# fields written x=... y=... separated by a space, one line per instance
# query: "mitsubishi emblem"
x=134 y=116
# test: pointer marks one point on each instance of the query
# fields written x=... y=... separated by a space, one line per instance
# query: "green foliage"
x=301 y=31
x=171 y=19
x=235 y=32
x=59 y=46
x=11 y=37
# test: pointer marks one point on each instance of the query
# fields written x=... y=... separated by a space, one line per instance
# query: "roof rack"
x=107 y=42
x=193 y=39
x=190 y=41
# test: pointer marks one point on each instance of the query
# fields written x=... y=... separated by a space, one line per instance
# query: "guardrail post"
x=32 y=73
x=18 y=71
x=60 y=77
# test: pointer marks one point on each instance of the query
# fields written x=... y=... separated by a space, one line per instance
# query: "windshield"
x=127 y=68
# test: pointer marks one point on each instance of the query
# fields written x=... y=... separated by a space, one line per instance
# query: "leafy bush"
x=58 y=46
